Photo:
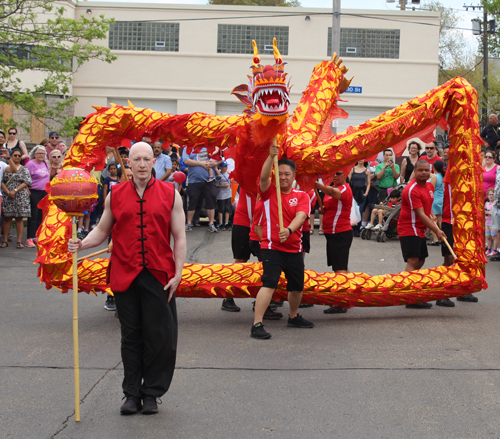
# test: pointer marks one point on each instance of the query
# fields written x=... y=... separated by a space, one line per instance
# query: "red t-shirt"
x=257 y=218
x=430 y=161
x=447 y=205
x=295 y=201
x=244 y=209
x=337 y=216
x=414 y=196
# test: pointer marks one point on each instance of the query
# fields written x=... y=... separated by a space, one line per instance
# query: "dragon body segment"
x=308 y=140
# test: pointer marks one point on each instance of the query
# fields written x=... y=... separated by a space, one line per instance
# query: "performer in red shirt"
x=416 y=214
x=447 y=227
x=144 y=273
x=337 y=227
x=281 y=249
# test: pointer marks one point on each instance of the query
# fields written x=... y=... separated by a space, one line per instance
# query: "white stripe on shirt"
x=249 y=208
x=268 y=224
x=339 y=211
x=413 y=222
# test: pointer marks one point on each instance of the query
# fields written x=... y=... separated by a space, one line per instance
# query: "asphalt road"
x=369 y=373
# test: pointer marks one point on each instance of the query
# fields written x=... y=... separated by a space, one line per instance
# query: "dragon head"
x=267 y=92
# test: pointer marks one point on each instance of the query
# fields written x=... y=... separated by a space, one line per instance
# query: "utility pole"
x=483 y=28
x=335 y=38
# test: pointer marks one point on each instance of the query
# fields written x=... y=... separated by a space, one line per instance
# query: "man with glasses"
x=490 y=133
x=430 y=155
x=53 y=143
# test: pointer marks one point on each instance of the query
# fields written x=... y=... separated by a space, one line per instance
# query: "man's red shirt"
x=293 y=202
x=244 y=209
x=415 y=196
x=337 y=216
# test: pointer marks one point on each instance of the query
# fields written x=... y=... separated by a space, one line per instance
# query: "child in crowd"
x=393 y=201
x=111 y=180
x=171 y=179
x=223 y=196
x=214 y=157
x=491 y=231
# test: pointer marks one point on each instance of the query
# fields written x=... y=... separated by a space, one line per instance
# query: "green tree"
x=40 y=49
x=255 y=2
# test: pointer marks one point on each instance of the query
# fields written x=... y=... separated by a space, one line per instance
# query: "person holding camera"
x=387 y=173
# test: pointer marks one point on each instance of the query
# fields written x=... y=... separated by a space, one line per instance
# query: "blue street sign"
x=352 y=89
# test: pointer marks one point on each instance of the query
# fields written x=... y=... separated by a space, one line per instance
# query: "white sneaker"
x=369 y=226
x=377 y=227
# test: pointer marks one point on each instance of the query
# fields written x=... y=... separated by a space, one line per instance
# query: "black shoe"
x=423 y=305
x=306 y=305
x=259 y=332
x=131 y=406
x=149 y=405
x=467 y=298
x=110 y=303
x=445 y=302
x=227 y=226
x=277 y=304
x=335 y=310
x=221 y=227
x=299 y=322
x=270 y=314
x=229 y=305
x=495 y=258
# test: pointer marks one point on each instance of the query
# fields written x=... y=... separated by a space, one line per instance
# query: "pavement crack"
x=82 y=400
x=191 y=257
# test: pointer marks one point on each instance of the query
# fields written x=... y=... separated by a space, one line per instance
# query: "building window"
x=136 y=35
x=232 y=38
x=367 y=43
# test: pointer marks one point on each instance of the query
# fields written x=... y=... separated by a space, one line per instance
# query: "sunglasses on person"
x=12 y=134
x=429 y=147
x=339 y=173
x=490 y=157
x=56 y=156
x=55 y=137
x=16 y=155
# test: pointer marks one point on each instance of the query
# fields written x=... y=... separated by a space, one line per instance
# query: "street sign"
x=352 y=89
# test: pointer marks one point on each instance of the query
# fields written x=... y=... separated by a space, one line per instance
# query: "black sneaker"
x=150 y=405
x=227 y=226
x=131 y=406
x=306 y=305
x=277 y=304
x=259 y=332
x=110 y=303
x=445 y=302
x=229 y=305
x=221 y=227
x=272 y=315
x=423 y=305
x=335 y=310
x=467 y=298
x=299 y=322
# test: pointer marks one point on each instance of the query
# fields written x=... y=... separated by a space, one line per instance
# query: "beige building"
x=187 y=58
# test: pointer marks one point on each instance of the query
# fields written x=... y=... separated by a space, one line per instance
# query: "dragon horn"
x=256 y=57
x=277 y=54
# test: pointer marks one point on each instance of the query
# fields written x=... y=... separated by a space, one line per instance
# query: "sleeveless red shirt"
x=141 y=233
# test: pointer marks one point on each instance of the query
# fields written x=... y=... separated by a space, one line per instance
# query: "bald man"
x=490 y=133
x=143 y=273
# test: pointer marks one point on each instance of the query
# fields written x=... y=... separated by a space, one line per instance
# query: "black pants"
x=36 y=217
x=149 y=336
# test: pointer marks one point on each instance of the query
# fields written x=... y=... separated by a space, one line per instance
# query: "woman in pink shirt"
x=489 y=172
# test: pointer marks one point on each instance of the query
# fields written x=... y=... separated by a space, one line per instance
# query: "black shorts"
x=256 y=250
x=306 y=240
x=337 y=249
x=292 y=264
x=413 y=247
x=224 y=206
x=240 y=242
x=447 y=228
x=207 y=190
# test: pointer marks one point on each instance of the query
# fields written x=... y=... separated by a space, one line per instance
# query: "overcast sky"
x=457 y=5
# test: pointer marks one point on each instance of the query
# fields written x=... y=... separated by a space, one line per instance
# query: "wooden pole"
x=76 y=366
x=120 y=161
x=100 y=252
x=278 y=188
x=449 y=248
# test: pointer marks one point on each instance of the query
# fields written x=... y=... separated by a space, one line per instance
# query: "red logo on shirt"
x=293 y=201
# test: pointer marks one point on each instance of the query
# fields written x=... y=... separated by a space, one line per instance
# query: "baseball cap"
x=224 y=163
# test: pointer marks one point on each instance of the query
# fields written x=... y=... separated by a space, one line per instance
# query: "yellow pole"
x=76 y=366
x=278 y=188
